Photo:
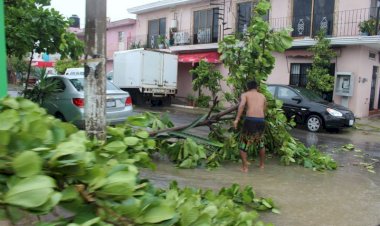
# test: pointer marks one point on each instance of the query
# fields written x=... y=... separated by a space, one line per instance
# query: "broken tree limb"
x=207 y=122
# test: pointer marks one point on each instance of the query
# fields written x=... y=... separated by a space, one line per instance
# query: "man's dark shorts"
x=252 y=132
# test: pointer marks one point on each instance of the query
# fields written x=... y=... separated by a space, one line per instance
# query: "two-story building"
x=120 y=36
x=192 y=29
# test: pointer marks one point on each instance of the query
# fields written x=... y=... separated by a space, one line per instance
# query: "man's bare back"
x=255 y=102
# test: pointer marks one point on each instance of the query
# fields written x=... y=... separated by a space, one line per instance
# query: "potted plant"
x=191 y=100
x=161 y=41
x=368 y=27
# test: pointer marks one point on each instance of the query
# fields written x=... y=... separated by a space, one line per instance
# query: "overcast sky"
x=116 y=9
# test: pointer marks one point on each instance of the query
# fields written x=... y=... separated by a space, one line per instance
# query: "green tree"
x=318 y=77
x=62 y=65
x=31 y=27
x=207 y=77
x=250 y=58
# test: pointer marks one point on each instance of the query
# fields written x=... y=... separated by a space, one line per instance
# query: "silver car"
x=68 y=102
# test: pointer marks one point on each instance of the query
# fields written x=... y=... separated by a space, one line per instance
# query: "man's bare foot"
x=244 y=170
x=261 y=166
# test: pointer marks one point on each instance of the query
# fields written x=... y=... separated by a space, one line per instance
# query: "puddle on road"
x=347 y=196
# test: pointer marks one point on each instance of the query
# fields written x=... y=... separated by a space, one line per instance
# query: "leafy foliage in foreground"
x=45 y=163
x=250 y=58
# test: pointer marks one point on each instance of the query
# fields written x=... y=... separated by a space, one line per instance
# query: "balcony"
x=338 y=24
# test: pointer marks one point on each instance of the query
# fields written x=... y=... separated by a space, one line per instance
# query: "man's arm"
x=243 y=101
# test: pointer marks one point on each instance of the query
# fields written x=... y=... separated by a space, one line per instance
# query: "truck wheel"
x=167 y=101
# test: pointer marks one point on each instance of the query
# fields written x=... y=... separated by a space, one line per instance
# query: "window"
x=79 y=84
x=298 y=74
x=272 y=89
x=310 y=16
x=121 y=36
x=373 y=10
x=206 y=26
x=244 y=15
x=58 y=83
x=284 y=93
x=156 y=28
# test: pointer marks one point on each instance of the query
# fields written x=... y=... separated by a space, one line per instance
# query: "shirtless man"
x=254 y=123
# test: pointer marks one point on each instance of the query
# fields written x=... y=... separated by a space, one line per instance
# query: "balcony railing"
x=337 y=24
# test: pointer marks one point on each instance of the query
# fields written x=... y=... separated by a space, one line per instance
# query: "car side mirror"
x=297 y=99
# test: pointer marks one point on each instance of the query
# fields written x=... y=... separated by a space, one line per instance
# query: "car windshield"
x=309 y=94
x=78 y=83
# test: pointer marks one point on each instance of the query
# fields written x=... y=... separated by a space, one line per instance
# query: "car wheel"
x=314 y=123
x=58 y=115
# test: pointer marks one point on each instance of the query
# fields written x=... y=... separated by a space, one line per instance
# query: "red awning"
x=211 y=57
x=43 y=64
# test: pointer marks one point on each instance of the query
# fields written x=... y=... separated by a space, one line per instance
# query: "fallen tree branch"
x=207 y=122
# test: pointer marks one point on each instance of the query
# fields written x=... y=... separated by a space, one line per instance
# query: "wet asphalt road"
x=348 y=196
x=326 y=140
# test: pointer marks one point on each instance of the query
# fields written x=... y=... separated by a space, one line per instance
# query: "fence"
x=340 y=23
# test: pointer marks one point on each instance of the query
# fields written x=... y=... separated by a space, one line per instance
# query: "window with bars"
x=244 y=15
x=206 y=26
x=121 y=36
x=298 y=73
x=156 y=28
x=373 y=10
x=310 y=16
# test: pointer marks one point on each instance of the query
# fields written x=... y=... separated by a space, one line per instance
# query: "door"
x=170 y=70
x=291 y=103
x=54 y=101
x=323 y=16
x=373 y=88
x=152 y=68
x=301 y=17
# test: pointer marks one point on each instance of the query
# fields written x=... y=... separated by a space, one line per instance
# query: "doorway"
x=373 y=88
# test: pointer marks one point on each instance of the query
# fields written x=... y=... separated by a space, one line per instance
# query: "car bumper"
x=339 y=122
x=112 y=117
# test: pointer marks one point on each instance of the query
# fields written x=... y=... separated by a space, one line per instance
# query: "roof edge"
x=159 y=5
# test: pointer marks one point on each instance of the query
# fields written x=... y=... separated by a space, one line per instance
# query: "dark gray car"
x=308 y=108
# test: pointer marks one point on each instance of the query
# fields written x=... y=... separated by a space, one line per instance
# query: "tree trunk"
x=211 y=119
x=29 y=69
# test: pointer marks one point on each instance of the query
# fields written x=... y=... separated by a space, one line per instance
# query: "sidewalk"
x=368 y=124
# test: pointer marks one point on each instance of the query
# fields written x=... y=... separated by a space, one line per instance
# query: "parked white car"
x=75 y=71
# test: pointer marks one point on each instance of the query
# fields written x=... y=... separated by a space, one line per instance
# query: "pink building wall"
x=184 y=80
x=128 y=26
x=355 y=59
x=352 y=59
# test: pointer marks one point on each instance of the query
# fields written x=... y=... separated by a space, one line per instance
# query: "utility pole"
x=3 y=60
x=95 y=51
x=377 y=17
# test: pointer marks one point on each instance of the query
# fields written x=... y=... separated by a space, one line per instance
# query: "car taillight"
x=128 y=101
x=79 y=102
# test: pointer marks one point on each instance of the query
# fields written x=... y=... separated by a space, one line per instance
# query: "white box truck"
x=149 y=76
